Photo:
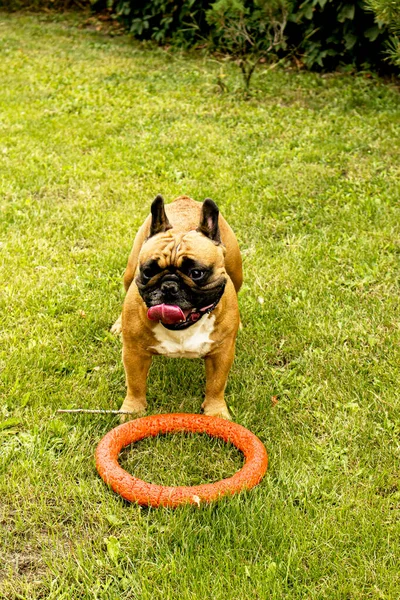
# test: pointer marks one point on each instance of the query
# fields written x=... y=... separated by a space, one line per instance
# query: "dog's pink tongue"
x=166 y=313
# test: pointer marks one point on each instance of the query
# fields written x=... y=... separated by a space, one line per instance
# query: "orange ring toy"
x=147 y=494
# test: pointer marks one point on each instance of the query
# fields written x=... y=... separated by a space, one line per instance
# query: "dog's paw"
x=124 y=418
x=133 y=409
x=217 y=411
x=116 y=329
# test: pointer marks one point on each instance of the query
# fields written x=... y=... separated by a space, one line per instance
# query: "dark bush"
x=249 y=32
x=182 y=22
x=38 y=5
x=388 y=12
x=328 y=32
x=322 y=34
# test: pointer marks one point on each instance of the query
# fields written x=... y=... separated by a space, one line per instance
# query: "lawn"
x=92 y=127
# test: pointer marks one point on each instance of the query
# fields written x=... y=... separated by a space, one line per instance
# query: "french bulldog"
x=181 y=282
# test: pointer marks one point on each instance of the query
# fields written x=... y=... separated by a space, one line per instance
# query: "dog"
x=181 y=282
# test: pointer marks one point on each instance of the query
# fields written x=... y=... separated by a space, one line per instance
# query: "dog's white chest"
x=193 y=342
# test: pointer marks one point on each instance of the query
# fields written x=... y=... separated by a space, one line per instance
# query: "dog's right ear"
x=209 y=221
x=159 y=219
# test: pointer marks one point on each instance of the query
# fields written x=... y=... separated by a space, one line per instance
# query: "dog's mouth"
x=174 y=317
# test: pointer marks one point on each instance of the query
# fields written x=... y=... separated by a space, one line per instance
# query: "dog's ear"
x=209 y=221
x=159 y=220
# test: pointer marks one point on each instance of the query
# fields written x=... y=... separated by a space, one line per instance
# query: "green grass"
x=307 y=173
x=182 y=459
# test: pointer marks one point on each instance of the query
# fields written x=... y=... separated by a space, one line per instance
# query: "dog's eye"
x=150 y=271
x=147 y=273
x=196 y=274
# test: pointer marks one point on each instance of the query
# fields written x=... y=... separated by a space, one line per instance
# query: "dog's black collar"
x=199 y=314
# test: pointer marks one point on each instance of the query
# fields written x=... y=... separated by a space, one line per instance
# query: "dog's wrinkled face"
x=181 y=275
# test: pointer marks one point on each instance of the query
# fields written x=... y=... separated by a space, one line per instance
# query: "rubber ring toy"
x=147 y=494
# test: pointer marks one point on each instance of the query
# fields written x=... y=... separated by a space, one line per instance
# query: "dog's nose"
x=170 y=288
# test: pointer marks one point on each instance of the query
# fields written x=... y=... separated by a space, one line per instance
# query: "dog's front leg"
x=218 y=366
x=137 y=364
x=116 y=329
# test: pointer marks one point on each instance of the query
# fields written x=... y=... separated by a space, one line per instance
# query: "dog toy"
x=147 y=494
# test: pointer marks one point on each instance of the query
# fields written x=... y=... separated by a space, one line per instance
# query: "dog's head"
x=181 y=275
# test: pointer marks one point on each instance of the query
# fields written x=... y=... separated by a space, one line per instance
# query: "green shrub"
x=328 y=32
x=249 y=32
x=38 y=5
x=182 y=22
x=321 y=33
x=388 y=12
x=324 y=33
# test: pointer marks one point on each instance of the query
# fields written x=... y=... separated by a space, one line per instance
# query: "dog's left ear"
x=209 y=221
x=159 y=219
